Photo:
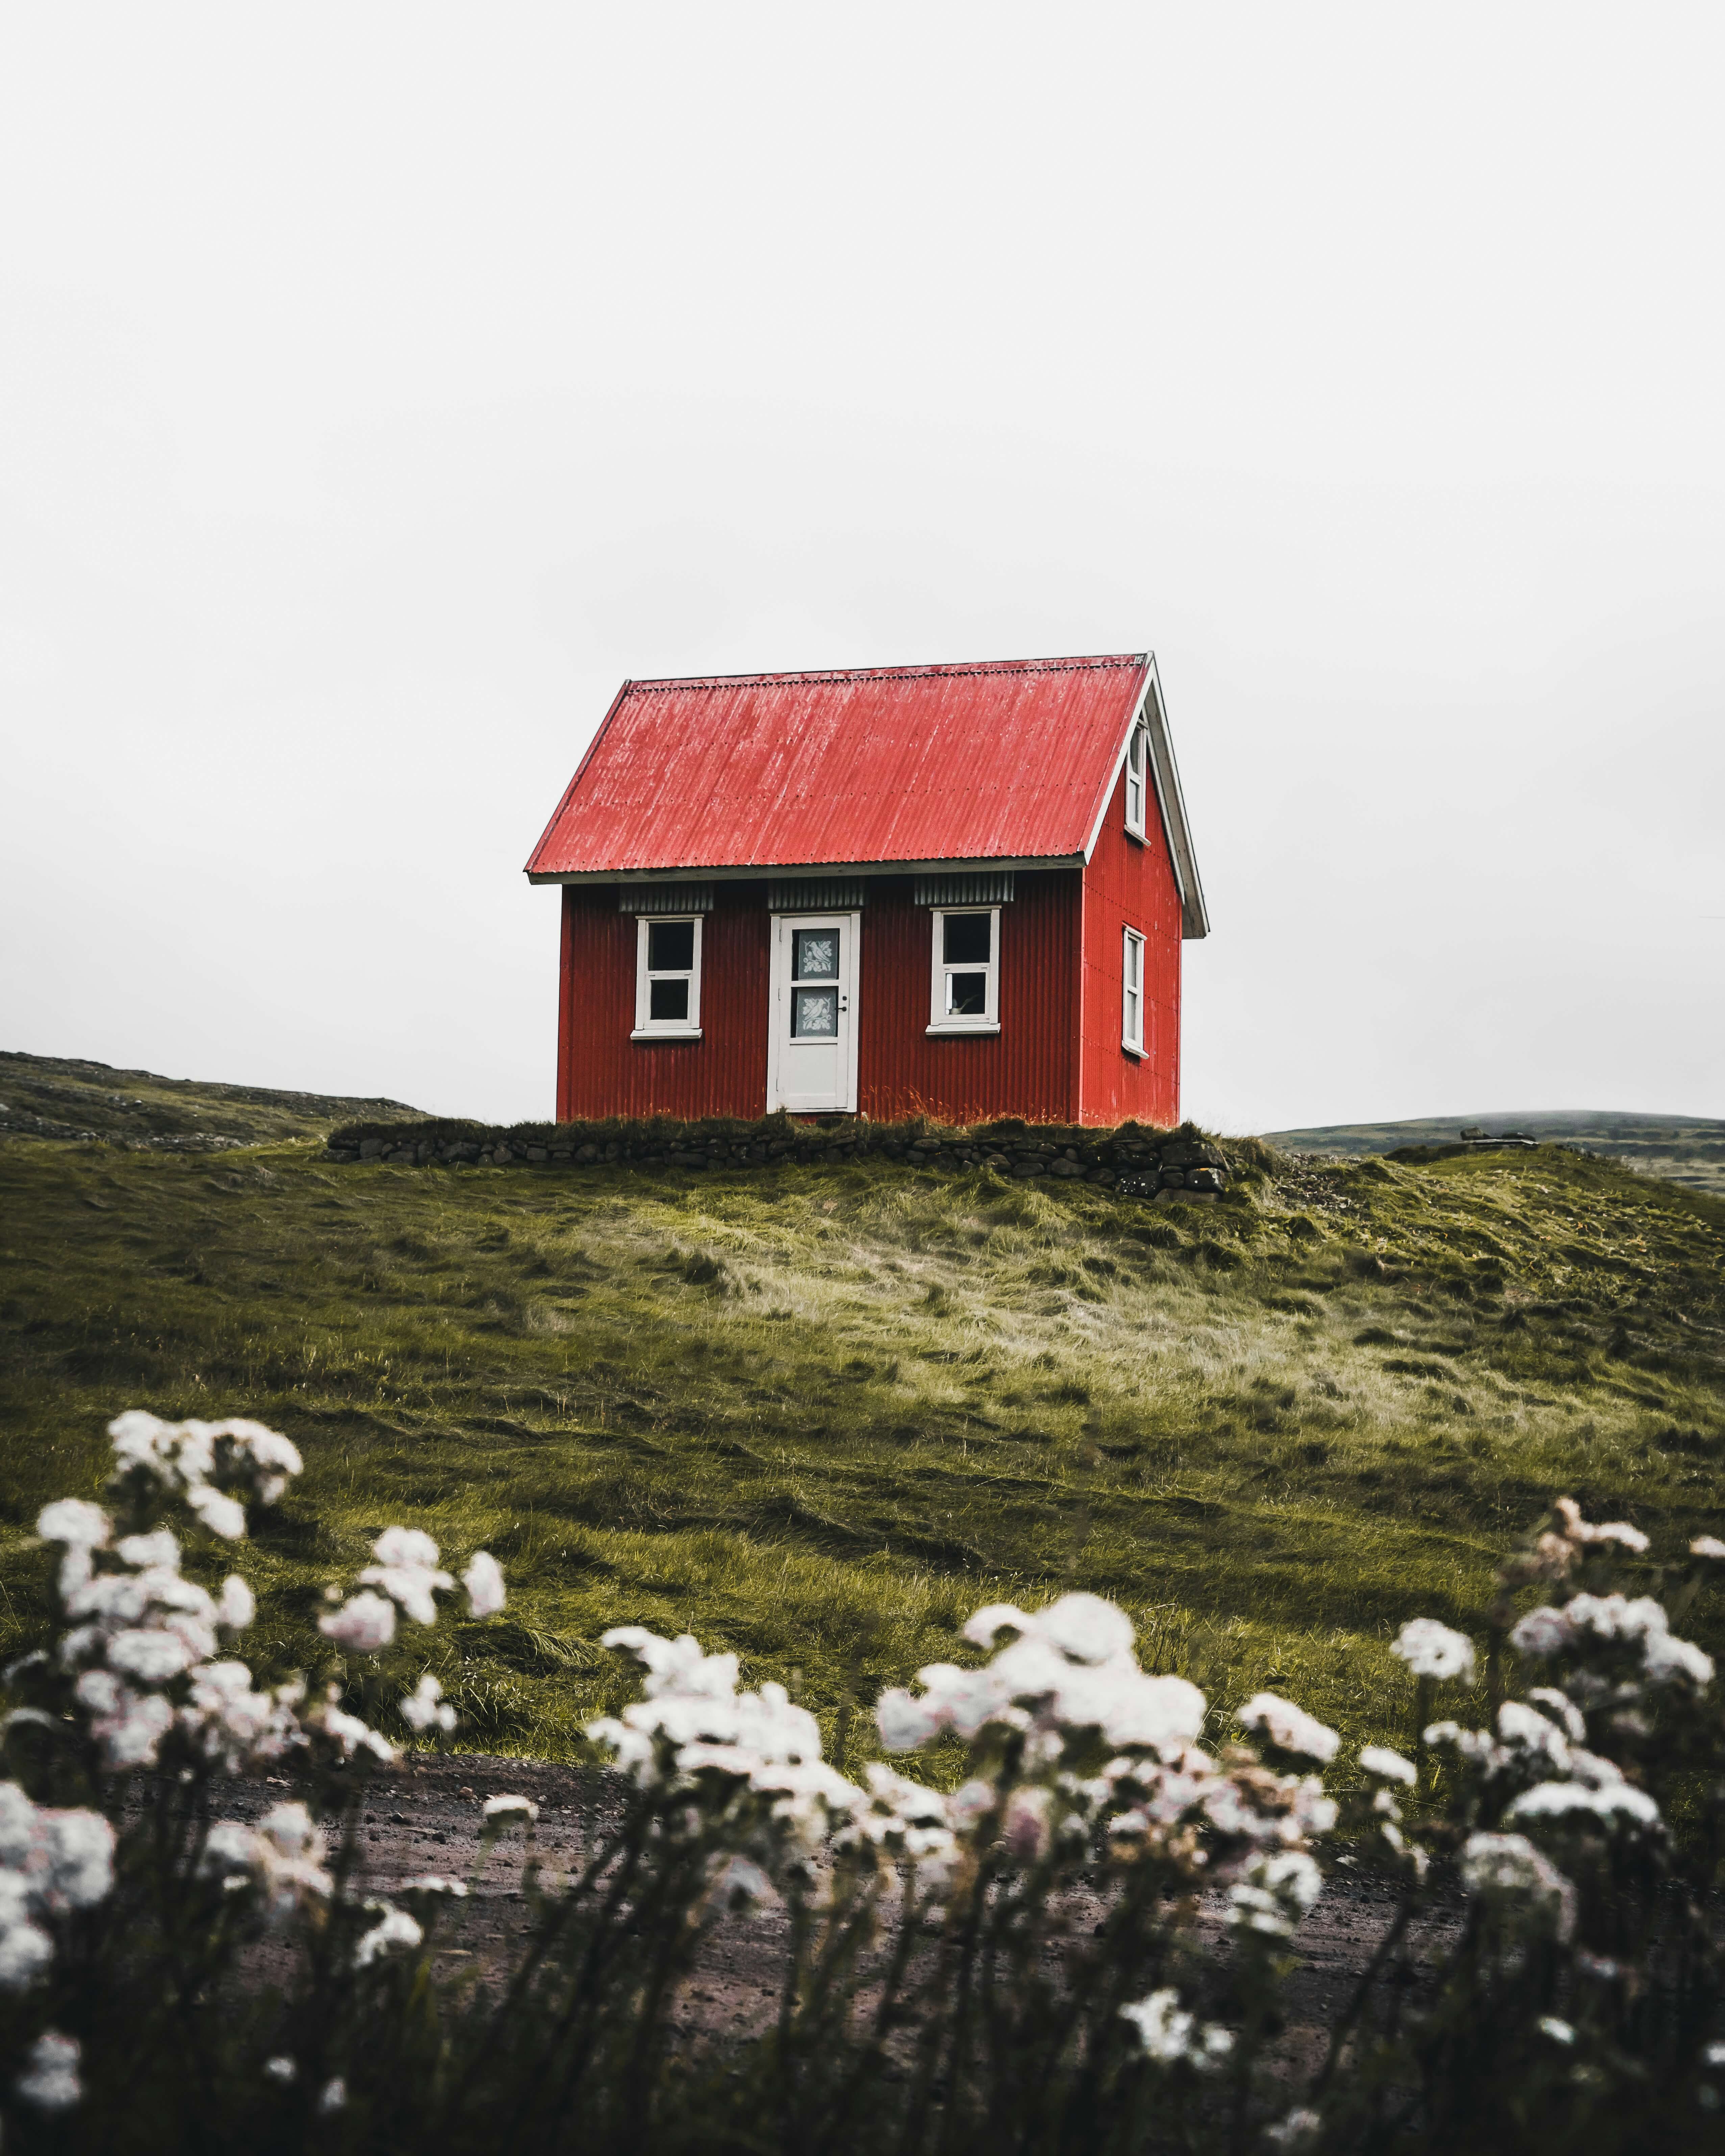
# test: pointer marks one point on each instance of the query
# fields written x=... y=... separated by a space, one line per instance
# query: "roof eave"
x=753 y=871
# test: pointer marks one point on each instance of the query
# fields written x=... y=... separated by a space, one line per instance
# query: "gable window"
x=667 y=979
x=965 y=989
x=1137 y=779
x=1131 y=993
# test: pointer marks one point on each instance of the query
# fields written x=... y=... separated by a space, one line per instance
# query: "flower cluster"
x=215 y=1468
x=1104 y=1756
x=407 y=1571
x=1432 y=1651
x=1592 y=1626
x=753 y=1758
x=51 y=1862
x=1173 y=2036
x=136 y=1624
x=284 y=1857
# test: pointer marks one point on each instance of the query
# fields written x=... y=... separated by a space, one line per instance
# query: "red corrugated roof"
x=996 y=761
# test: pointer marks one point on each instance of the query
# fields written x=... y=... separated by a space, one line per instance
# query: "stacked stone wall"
x=1136 y=1162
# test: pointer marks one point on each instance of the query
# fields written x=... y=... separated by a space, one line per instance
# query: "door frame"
x=850 y=994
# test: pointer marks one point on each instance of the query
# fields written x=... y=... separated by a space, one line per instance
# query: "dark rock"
x=536 y=1152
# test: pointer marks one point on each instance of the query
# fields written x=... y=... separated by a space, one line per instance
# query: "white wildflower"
x=1432 y=1650
x=425 y=1706
x=433 y=1882
x=1172 y=2036
x=282 y=2068
x=237 y=1605
x=1706 y=1546
x=1086 y=1628
x=1289 y=1727
x=906 y=1721
x=230 y=1724
x=332 y=2097
x=1295 y=2131
x=364 y=1624
x=395 y=1929
x=1565 y=1800
x=1387 y=1765
x=484 y=1581
x=510 y=1807
x=346 y=1730
x=157 y=1551
x=1560 y=1708
x=1164 y=1713
x=407 y=1571
x=74 y=1852
x=1667 y=1659
x=1543 y=1632
x=411 y=1548
x=1508 y=1868
x=150 y=1658
x=75 y=1524
x=985 y=1626
x=49 y=2081
x=1559 y=2030
x=25 y=1953
x=221 y=1514
x=129 y=1726
x=1273 y=1893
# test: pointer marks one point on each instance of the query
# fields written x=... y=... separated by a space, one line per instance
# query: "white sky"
x=380 y=385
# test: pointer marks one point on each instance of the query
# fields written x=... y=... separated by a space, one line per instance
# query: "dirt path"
x=425 y=1817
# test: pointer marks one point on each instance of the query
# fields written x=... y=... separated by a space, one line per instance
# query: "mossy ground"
x=818 y=1415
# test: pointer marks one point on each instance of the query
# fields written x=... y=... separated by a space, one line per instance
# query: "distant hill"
x=55 y=1096
x=1687 y=1149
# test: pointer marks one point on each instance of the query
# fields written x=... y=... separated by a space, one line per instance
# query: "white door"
x=811 y=1060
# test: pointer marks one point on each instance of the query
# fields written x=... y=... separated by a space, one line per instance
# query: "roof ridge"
x=935 y=670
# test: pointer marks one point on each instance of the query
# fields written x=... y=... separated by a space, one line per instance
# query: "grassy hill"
x=54 y=1096
x=1687 y=1149
x=819 y=1414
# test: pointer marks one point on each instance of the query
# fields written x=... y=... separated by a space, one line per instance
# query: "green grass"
x=820 y=1415
x=57 y=1096
x=1685 y=1149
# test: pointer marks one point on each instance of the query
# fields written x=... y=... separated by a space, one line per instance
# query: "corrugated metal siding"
x=601 y=1072
x=997 y=761
x=1130 y=885
x=1029 y=1068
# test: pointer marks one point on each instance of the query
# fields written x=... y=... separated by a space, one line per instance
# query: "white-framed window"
x=964 y=992
x=667 y=978
x=1137 y=779
x=1131 y=993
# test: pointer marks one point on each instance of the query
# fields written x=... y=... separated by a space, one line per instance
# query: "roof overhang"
x=1151 y=714
x=753 y=871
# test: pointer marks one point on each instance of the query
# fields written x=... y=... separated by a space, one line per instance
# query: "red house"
x=952 y=891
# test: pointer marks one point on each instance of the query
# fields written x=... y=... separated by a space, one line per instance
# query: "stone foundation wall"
x=1134 y=1162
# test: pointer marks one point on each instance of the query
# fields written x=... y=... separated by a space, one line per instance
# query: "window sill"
x=1138 y=835
x=666 y=1033
x=958 y=1032
x=1133 y=1048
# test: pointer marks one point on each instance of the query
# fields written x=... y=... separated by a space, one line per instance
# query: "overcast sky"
x=380 y=385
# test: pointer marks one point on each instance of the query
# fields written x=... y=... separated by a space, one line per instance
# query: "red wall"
x=1029 y=1068
x=601 y=1072
x=1130 y=883
x=1057 y=1057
